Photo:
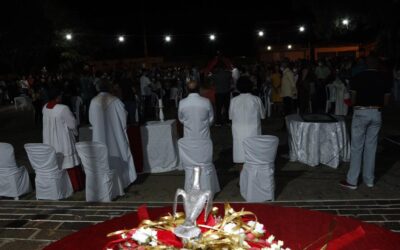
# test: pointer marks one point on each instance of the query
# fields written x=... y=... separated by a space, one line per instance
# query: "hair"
x=193 y=87
x=104 y=85
x=244 y=84
x=53 y=93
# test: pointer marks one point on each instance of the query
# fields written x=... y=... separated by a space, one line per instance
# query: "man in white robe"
x=246 y=112
x=195 y=113
x=59 y=131
x=109 y=123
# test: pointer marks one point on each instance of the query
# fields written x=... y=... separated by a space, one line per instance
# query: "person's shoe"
x=347 y=185
x=369 y=185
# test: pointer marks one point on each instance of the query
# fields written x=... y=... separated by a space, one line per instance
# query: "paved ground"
x=31 y=224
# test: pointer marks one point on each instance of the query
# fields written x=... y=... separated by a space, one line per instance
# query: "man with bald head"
x=195 y=113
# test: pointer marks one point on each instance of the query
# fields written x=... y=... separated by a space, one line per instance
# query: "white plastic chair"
x=102 y=183
x=257 y=183
x=14 y=180
x=198 y=152
x=52 y=182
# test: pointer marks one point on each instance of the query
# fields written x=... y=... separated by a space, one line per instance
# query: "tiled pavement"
x=34 y=224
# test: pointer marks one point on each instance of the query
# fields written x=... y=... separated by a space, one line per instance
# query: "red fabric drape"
x=297 y=227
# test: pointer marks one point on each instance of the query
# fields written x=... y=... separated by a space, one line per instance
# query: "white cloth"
x=59 y=131
x=77 y=103
x=313 y=143
x=198 y=153
x=196 y=114
x=341 y=94
x=288 y=86
x=52 y=182
x=108 y=119
x=246 y=112
x=160 y=150
x=257 y=183
x=145 y=85
x=102 y=182
x=14 y=180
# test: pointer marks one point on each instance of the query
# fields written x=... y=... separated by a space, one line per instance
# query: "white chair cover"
x=257 y=182
x=102 y=183
x=198 y=152
x=14 y=180
x=52 y=182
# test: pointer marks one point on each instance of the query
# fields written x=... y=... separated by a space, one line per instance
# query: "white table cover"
x=14 y=180
x=315 y=143
x=257 y=182
x=160 y=149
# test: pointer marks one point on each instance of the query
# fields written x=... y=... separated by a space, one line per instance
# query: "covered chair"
x=198 y=152
x=14 y=180
x=102 y=183
x=52 y=182
x=257 y=182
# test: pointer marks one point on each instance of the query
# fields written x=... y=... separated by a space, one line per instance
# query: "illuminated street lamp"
x=167 y=38
x=121 y=39
x=68 y=36
x=345 y=21
x=302 y=28
x=289 y=46
x=260 y=33
x=269 y=48
x=212 y=37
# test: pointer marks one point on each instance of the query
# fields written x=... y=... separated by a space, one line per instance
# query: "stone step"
x=37 y=223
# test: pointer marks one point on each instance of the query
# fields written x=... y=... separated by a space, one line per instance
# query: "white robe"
x=196 y=114
x=246 y=112
x=341 y=94
x=59 y=131
x=108 y=119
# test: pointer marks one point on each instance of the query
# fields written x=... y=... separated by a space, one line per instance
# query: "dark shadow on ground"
x=387 y=155
x=225 y=167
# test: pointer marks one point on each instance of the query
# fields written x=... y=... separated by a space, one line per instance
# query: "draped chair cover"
x=198 y=152
x=52 y=182
x=102 y=183
x=14 y=180
x=257 y=182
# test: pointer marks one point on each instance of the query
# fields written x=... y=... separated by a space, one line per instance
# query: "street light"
x=302 y=28
x=269 y=48
x=289 y=46
x=212 y=37
x=121 y=39
x=167 y=38
x=260 y=33
x=345 y=21
x=68 y=36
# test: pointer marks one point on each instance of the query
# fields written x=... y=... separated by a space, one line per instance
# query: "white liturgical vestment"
x=196 y=114
x=59 y=131
x=108 y=119
x=246 y=112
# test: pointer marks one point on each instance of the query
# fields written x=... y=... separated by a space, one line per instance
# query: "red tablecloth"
x=296 y=227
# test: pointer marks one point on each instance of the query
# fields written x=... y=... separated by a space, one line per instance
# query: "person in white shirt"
x=195 y=113
x=288 y=88
x=108 y=118
x=59 y=131
x=246 y=112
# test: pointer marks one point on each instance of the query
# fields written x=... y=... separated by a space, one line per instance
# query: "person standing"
x=246 y=112
x=195 y=113
x=108 y=118
x=288 y=88
x=59 y=131
x=370 y=87
x=222 y=80
x=145 y=92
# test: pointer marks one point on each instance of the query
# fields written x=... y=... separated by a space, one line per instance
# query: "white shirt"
x=246 y=112
x=59 y=131
x=108 y=118
x=196 y=114
x=145 y=84
x=288 y=84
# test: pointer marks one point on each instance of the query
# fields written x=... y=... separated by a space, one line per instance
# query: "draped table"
x=315 y=143
x=160 y=148
x=298 y=228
